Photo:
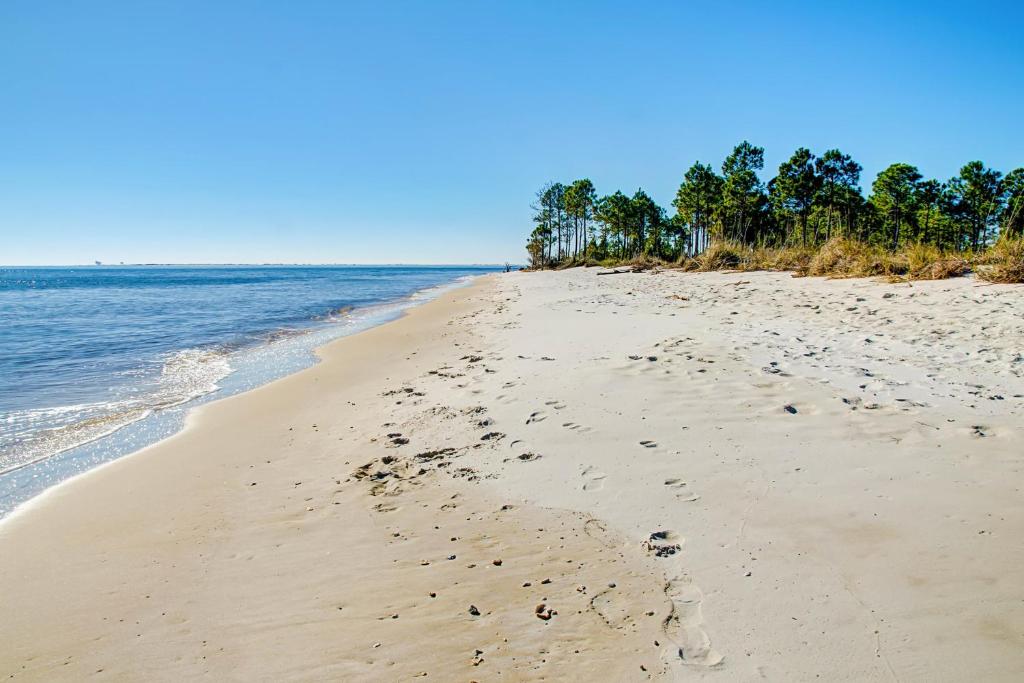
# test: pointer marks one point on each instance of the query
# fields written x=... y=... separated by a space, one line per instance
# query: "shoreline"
x=690 y=475
x=116 y=444
x=188 y=420
x=128 y=510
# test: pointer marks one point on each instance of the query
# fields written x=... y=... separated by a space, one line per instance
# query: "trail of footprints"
x=680 y=488
x=787 y=355
x=541 y=415
x=577 y=427
x=391 y=475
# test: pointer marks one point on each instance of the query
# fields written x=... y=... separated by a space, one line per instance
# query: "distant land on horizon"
x=99 y=264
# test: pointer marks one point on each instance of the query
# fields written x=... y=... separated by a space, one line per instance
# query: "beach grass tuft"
x=1004 y=262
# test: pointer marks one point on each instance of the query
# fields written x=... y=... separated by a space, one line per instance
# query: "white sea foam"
x=184 y=376
x=41 y=447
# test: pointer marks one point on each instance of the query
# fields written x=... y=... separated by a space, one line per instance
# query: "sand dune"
x=565 y=477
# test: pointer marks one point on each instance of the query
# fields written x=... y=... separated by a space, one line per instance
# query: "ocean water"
x=97 y=362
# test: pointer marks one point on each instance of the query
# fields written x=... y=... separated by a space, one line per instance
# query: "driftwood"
x=616 y=271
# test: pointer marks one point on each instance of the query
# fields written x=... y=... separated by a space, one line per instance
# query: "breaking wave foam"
x=184 y=376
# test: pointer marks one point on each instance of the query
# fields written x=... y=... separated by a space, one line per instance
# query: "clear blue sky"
x=418 y=132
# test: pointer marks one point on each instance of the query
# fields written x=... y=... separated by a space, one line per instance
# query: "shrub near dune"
x=1004 y=262
x=723 y=255
x=927 y=262
x=842 y=257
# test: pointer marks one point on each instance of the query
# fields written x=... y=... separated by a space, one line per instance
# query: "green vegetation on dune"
x=811 y=218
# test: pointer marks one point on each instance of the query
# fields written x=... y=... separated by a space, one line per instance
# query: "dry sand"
x=714 y=476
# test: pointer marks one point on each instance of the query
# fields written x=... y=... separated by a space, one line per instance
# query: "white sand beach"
x=566 y=476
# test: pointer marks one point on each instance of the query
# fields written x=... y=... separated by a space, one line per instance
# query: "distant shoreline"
x=257 y=265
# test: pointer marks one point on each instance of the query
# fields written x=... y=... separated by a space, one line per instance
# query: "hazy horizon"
x=311 y=264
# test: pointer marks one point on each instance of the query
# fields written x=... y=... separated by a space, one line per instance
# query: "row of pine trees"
x=810 y=200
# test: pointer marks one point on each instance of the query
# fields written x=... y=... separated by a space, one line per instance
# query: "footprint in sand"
x=557 y=405
x=663 y=543
x=593 y=479
x=679 y=486
x=649 y=444
x=684 y=624
x=536 y=416
x=576 y=427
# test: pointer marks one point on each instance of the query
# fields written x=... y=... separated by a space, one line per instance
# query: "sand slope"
x=738 y=477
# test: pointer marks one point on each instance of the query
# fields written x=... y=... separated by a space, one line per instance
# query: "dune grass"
x=837 y=258
x=927 y=262
x=727 y=255
x=1004 y=262
x=842 y=258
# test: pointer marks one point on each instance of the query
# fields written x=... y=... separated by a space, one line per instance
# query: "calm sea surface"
x=96 y=362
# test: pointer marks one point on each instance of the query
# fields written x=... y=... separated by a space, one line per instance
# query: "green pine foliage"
x=811 y=217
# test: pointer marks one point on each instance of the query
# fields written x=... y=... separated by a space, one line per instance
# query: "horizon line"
x=244 y=263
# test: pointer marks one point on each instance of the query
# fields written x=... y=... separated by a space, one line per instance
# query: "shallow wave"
x=184 y=376
x=335 y=315
x=146 y=401
x=191 y=373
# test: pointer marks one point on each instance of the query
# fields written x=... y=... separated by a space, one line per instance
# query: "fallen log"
x=616 y=271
